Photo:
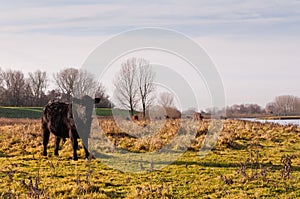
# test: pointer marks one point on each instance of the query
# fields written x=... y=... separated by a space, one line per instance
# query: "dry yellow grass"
x=245 y=163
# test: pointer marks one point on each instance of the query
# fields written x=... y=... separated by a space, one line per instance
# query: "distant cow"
x=198 y=116
x=135 y=117
x=60 y=118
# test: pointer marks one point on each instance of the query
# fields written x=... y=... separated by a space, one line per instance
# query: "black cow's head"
x=82 y=110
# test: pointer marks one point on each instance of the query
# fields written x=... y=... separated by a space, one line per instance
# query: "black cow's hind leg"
x=75 y=147
x=85 y=146
x=46 y=134
x=57 y=141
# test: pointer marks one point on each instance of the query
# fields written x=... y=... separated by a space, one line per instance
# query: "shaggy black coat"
x=65 y=120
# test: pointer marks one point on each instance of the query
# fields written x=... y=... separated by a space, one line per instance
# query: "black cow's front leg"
x=75 y=147
x=86 y=151
x=57 y=141
x=46 y=134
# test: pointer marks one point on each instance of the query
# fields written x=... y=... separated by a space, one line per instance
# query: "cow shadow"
x=230 y=165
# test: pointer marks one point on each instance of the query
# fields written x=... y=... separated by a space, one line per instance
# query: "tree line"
x=284 y=105
x=134 y=91
x=19 y=89
x=134 y=88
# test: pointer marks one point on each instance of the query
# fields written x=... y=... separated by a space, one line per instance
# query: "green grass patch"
x=106 y=112
x=36 y=112
x=21 y=112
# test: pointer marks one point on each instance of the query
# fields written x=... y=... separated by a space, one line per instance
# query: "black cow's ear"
x=97 y=100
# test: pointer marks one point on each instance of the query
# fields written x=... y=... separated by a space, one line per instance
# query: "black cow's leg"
x=75 y=147
x=85 y=146
x=46 y=134
x=57 y=141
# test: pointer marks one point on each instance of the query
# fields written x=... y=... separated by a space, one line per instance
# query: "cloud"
x=111 y=16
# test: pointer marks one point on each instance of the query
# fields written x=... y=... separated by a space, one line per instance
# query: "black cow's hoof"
x=89 y=158
x=74 y=158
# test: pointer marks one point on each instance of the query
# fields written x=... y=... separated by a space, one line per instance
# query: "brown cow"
x=135 y=117
x=65 y=120
x=198 y=116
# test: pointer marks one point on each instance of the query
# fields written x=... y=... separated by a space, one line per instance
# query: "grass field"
x=250 y=160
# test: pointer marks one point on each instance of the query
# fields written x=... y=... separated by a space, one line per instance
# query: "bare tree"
x=166 y=99
x=28 y=98
x=145 y=79
x=286 y=104
x=38 y=84
x=65 y=80
x=13 y=85
x=86 y=84
x=1 y=77
x=298 y=106
x=2 y=89
x=125 y=82
x=74 y=82
x=101 y=93
x=270 y=108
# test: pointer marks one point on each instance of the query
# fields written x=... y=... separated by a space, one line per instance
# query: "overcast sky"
x=255 y=44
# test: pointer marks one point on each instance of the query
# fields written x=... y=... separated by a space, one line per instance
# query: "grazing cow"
x=65 y=120
x=135 y=117
x=198 y=116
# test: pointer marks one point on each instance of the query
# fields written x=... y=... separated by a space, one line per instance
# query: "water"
x=281 y=122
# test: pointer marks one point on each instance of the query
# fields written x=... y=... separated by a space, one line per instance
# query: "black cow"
x=65 y=120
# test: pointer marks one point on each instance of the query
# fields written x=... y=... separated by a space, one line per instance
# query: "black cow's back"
x=56 y=118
